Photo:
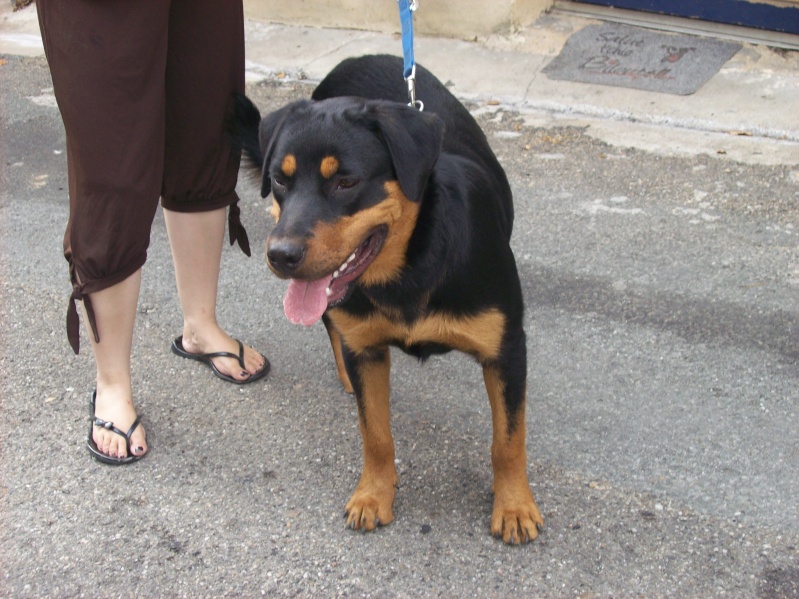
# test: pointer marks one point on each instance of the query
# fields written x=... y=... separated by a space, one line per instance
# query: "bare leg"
x=115 y=314
x=196 y=239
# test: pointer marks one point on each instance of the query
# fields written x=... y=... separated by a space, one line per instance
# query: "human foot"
x=230 y=359
x=116 y=435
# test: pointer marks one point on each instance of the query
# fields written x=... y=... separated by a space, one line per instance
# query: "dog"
x=393 y=227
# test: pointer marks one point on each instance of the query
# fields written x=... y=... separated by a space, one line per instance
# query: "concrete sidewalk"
x=754 y=95
x=747 y=111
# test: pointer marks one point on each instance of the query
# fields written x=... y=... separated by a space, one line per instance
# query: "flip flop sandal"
x=95 y=451
x=177 y=349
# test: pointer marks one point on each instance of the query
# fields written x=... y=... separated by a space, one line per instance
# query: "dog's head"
x=347 y=176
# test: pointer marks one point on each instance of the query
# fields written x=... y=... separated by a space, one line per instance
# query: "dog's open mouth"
x=306 y=301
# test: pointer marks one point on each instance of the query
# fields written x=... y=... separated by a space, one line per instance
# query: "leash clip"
x=406 y=8
x=411 y=81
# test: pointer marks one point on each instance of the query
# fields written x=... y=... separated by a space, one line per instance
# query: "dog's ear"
x=414 y=140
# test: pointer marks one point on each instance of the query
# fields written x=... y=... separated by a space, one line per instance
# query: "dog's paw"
x=516 y=522
x=368 y=509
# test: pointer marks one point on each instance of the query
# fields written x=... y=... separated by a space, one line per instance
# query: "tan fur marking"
x=371 y=502
x=479 y=335
x=274 y=210
x=391 y=260
x=495 y=387
x=515 y=517
x=329 y=166
x=333 y=242
x=289 y=165
x=341 y=369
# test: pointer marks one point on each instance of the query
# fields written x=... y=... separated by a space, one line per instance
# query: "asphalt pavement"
x=658 y=246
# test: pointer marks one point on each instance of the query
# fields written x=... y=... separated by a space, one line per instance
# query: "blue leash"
x=406 y=8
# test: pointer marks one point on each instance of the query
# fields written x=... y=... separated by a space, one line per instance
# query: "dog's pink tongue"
x=306 y=301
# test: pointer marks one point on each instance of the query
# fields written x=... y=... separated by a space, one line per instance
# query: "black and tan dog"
x=393 y=226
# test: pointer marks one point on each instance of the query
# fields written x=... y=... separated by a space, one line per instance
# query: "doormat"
x=625 y=56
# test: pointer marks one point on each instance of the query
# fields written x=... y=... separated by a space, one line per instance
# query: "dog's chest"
x=479 y=335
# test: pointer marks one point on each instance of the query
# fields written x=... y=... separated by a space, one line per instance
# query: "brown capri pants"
x=145 y=89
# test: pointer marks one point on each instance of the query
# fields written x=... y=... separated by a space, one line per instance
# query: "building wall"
x=463 y=19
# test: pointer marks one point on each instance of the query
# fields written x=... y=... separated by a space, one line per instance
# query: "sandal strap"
x=130 y=431
x=227 y=354
x=109 y=426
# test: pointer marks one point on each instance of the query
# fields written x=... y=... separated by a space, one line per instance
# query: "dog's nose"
x=285 y=254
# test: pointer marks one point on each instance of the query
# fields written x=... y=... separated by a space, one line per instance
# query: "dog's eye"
x=347 y=183
x=278 y=181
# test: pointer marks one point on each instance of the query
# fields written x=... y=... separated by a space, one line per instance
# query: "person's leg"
x=196 y=239
x=107 y=60
x=115 y=308
x=205 y=66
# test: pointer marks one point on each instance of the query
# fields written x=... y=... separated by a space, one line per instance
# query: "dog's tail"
x=245 y=131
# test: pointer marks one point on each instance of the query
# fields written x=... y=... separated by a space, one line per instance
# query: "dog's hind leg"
x=371 y=503
x=335 y=343
x=515 y=517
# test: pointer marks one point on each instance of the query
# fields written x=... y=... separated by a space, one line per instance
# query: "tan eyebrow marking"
x=329 y=166
x=289 y=165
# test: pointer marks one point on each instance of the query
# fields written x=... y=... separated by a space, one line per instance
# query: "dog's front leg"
x=515 y=518
x=371 y=503
x=338 y=353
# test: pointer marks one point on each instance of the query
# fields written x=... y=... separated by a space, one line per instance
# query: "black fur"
x=460 y=248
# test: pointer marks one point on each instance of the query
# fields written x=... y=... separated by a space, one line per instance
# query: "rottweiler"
x=393 y=227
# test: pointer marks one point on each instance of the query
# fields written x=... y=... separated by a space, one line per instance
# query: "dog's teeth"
x=338 y=272
x=328 y=293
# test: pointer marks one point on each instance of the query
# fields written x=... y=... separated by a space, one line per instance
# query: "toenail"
x=244 y=374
